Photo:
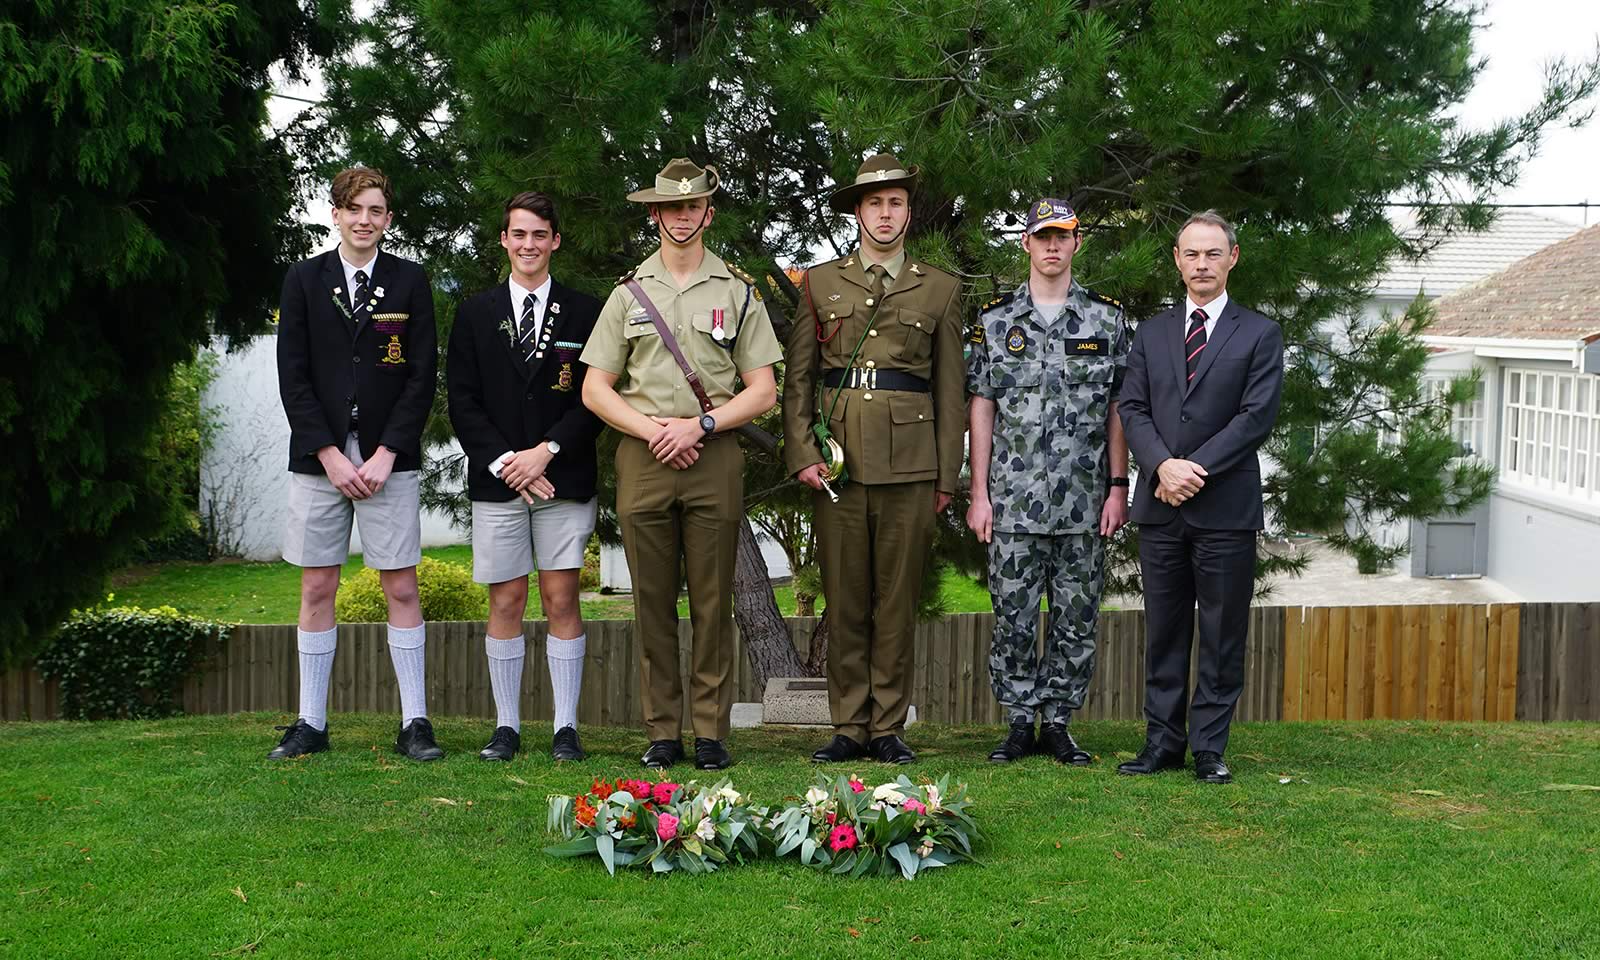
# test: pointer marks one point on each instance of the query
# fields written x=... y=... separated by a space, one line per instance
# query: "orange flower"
x=602 y=789
x=586 y=811
x=627 y=820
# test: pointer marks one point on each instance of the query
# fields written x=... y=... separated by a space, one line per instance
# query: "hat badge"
x=882 y=174
x=1044 y=208
x=684 y=185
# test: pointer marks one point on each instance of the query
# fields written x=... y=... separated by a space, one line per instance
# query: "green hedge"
x=126 y=662
x=445 y=589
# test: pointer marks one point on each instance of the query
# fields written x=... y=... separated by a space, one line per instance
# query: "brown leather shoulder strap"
x=672 y=344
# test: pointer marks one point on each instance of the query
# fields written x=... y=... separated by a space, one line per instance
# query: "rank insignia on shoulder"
x=626 y=277
x=975 y=335
x=1097 y=295
x=1016 y=340
x=999 y=301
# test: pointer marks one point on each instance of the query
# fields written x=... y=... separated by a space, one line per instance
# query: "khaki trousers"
x=682 y=523
x=873 y=547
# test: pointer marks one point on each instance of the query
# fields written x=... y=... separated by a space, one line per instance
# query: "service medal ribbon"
x=716 y=324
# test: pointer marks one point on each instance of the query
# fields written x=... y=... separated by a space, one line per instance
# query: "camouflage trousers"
x=1022 y=567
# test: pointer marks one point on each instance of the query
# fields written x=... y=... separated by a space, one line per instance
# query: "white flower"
x=933 y=798
x=815 y=796
x=707 y=801
x=875 y=805
x=926 y=848
x=731 y=795
x=888 y=793
x=707 y=830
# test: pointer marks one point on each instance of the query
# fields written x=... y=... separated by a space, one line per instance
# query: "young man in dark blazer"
x=357 y=352
x=1201 y=395
x=516 y=400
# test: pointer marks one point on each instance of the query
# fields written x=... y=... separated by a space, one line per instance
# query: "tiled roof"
x=1469 y=257
x=1552 y=295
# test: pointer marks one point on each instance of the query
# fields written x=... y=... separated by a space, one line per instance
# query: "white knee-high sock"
x=565 y=658
x=316 y=669
x=406 y=650
x=505 y=678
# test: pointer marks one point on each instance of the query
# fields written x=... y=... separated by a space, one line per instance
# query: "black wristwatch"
x=708 y=423
x=1117 y=482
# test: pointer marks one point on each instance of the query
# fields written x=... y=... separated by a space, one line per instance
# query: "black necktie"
x=527 y=327
x=1195 y=341
x=358 y=293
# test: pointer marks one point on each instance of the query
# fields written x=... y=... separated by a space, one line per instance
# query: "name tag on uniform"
x=1087 y=346
x=638 y=318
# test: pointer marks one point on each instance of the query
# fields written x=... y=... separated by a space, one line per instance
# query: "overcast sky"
x=1520 y=37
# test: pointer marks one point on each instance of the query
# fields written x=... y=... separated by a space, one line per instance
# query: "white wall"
x=1546 y=550
x=244 y=477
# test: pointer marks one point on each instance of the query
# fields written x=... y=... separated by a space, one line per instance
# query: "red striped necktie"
x=1195 y=341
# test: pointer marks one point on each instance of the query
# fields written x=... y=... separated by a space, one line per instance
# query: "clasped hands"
x=1178 y=480
x=357 y=483
x=677 y=441
x=524 y=473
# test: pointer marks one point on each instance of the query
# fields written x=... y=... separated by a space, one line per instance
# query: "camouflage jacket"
x=1053 y=383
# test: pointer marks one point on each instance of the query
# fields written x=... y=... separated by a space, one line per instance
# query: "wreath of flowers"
x=841 y=825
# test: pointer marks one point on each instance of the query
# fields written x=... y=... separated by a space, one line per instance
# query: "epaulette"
x=999 y=301
x=1097 y=295
x=626 y=276
x=749 y=281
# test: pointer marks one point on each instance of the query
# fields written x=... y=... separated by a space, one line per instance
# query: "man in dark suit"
x=1201 y=395
x=357 y=352
x=516 y=400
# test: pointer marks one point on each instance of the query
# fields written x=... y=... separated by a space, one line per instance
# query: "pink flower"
x=637 y=789
x=667 y=826
x=915 y=806
x=856 y=784
x=843 y=837
x=662 y=792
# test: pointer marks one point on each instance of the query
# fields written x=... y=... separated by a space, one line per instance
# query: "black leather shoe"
x=1017 y=744
x=502 y=746
x=1152 y=759
x=565 y=746
x=891 y=749
x=838 y=750
x=662 y=754
x=1056 y=740
x=302 y=738
x=416 y=741
x=711 y=755
x=1209 y=768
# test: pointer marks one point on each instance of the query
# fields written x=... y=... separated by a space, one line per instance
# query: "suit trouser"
x=682 y=522
x=1180 y=565
x=873 y=547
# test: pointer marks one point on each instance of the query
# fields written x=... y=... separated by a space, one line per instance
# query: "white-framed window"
x=1551 y=431
x=1466 y=419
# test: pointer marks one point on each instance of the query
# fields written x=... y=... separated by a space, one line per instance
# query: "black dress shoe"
x=1056 y=740
x=1209 y=768
x=891 y=749
x=1017 y=744
x=302 y=738
x=1152 y=759
x=662 y=754
x=565 y=746
x=838 y=750
x=416 y=741
x=711 y=755
x=502 y=746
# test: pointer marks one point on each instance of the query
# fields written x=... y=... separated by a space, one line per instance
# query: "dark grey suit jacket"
x=1218 y=420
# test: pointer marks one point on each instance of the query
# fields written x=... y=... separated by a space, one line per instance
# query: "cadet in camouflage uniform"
x=1049 y=478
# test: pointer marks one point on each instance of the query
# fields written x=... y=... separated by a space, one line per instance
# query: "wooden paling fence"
x=1438 y=662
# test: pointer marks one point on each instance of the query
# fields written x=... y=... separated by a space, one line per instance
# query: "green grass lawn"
x=270 y=592
x=176 y=839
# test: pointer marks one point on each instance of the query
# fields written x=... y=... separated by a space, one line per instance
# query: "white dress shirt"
x=350 y=276
x=520 y=293
x=1213 y=311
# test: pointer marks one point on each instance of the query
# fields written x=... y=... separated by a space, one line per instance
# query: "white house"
x=1533 y=330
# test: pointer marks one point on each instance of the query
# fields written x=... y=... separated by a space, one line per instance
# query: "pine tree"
x=143 y=207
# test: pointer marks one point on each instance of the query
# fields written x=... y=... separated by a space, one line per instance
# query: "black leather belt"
x=871 y=378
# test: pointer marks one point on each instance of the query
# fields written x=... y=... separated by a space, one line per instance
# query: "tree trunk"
x=817 y=658
x=755 y=610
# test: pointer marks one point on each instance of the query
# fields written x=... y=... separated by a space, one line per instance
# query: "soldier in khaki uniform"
x=680 y=480
x=897 y=410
